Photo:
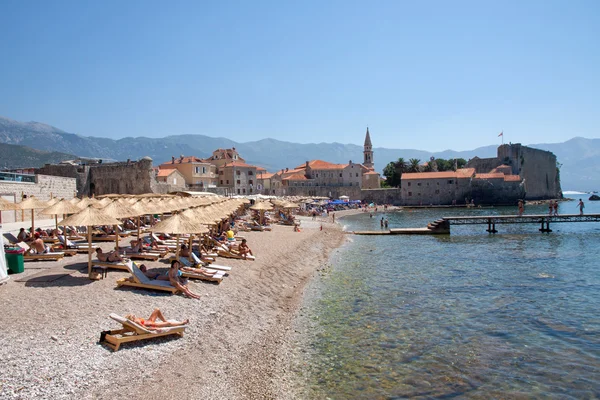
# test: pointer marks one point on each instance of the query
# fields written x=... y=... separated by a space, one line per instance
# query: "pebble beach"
x=238 y=344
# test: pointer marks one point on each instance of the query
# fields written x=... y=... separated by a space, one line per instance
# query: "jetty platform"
x=442 y=225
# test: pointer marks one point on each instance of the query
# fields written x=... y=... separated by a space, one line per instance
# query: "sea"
x=467 y=315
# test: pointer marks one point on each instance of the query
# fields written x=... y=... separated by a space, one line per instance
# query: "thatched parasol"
x=88 y=217
x=32 y=203
x=262 y=207
x=116 y=210
x=179 y=224
x=61 y=207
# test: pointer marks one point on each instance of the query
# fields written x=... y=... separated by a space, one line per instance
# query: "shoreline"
x=236 y=347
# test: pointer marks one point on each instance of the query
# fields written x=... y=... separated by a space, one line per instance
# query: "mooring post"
x=491 y=226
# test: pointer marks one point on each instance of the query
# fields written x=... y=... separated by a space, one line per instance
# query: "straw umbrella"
x=262 y=207
x=88 y=217
x=116 y=210
x=32 y=203
x=61 y=207
x=179 y=224
x=6 y=205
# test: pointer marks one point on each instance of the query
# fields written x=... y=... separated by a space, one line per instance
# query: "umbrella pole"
x=116 y=229
x=89 y=232
x=177 y=248
x=138 y=221
x=191 y=242
x=56 y=221
x=32 y=222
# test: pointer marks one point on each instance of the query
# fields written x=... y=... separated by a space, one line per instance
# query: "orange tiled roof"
x=189 y=159
x=264 y=175
x=458 y=174
x=370 y=173
x=238 y=164
x=165 y=172
x=512 y=178
x=295 y=177
x=492 y=175
x=260 y=169
x=320 y=164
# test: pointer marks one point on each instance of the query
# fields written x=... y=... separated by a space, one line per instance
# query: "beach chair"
x=122 y=265
x=139 y=280
x=216 y=277
x=196 y=262
x=146 y=255
x=30 y=255
x=224 y=251
x=12 y=239
x=132 y=332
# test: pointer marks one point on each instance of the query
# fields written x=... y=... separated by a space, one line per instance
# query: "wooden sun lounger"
x=198 y=261
x=138 y=279
x=217 y=277
x=104 y=238
x=122 y=265
x=29 y=255
x=50 y=240
x=133 y=331
x=143 y=256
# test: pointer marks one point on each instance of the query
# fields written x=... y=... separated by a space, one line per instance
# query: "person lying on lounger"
x=154 y=275
x=176 y=280
x=244 y=250
x=111 y=256
x=152 y=322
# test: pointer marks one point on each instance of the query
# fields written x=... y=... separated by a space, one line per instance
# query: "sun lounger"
x=138 y=279
x=143 y=256
x=133 y=331
x=104 y=238
x=12 y=239
x=216 y=277
x=225 y=252
x=122 y=265
x=30 y=255
x=198 y=261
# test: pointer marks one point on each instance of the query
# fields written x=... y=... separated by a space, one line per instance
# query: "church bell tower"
x=368 y=152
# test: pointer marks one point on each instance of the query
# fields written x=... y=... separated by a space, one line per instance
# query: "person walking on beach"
x=581 y=206
x=550 y=207
x=555 y=206
x=521 y=208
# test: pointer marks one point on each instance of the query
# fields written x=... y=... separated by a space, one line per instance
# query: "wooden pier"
x=442 y=225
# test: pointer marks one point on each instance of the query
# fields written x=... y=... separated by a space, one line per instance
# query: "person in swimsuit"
x=152 y=322
x=153 y=275
x=112 y=256
x=244 y=250
x=176 y=280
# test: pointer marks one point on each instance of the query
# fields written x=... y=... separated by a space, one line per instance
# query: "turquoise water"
x=467 y=315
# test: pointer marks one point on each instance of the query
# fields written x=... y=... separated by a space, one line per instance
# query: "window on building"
x=250 y=181
x=410 y=193
x=250 y=190
x=174 y=181
x=244 y=191
x=438 y=184
x=437 y=191
x=238 y=191
x=221 y=172
x=317 y=175
x=357 y=174
x=227 y=181
x=250 y=173
x=450 y=182
x=221 y=181
x=340 y=174
x=237 y=172
x=203 y=170
x=419 y=184
x=238 y=181
x=196 y=170
x=408 y=183
x=350 y=183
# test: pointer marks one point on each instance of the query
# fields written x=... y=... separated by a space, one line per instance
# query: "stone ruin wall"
x=44 y=188
x=120 y=178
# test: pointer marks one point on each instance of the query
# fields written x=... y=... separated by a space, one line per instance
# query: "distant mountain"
x=14 y=156
x=579 y=156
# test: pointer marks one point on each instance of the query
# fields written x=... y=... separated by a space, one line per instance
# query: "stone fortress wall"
x=44 y=188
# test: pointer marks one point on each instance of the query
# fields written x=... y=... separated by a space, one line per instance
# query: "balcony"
x=17 y=178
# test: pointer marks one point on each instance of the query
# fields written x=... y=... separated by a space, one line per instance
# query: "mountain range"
x=580 y=157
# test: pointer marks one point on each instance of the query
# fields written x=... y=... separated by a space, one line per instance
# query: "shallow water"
x=468 y=315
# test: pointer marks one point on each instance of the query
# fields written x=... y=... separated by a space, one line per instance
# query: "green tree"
x=414 y=165
x=393 y=172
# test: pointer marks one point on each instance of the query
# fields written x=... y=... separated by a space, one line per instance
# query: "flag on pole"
x=501 y=134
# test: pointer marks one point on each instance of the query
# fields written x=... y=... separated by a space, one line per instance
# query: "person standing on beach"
x=555 y=206
x=581 y=206
x=550 y=207
x=385 y=223
x=521 y=208
x=333 y=214
x=381 y=222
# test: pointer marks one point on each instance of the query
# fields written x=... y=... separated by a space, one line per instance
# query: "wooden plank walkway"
x=442 y=225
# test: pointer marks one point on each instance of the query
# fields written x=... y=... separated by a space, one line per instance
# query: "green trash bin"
x=14 y=261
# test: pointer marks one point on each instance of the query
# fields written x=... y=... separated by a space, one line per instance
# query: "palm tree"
x=414 y=165
x=401 y=165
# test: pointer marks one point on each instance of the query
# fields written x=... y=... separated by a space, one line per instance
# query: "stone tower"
x=368 y=152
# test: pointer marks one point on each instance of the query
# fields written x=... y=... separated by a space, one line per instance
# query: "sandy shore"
x=236 y=347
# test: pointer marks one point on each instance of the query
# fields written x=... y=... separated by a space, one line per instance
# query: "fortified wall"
x=43 y=187
x=537 y=168
x=130 y=177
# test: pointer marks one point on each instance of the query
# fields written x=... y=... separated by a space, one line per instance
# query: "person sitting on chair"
x=111 y=256
x=152 y=322
x=185 y=251
x=153 y=275
x=38 y=246
x=23 y=235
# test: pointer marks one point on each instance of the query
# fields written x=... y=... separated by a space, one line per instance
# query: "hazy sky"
x=430 y=75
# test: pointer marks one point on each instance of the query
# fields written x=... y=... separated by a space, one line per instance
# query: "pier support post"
x=545 y=229
x=491 y=226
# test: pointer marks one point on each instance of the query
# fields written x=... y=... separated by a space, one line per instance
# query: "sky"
x=428 y=75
